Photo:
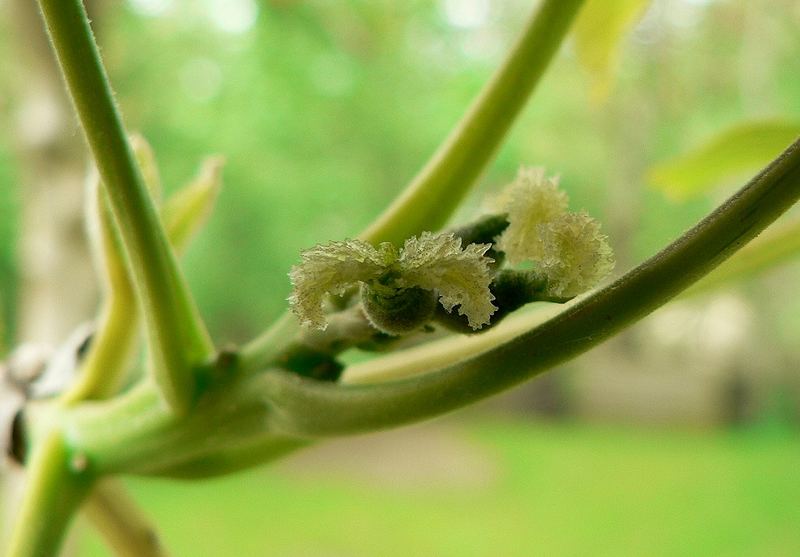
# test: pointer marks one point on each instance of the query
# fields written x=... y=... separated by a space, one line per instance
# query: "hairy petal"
x=530 y=200
x=460 y=276
x=575 y=255
x=330 y=269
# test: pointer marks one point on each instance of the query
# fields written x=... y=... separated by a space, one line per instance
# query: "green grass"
x=554 y=490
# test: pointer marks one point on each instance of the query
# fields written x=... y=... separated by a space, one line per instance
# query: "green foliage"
x=736 y=152
x=599 y=33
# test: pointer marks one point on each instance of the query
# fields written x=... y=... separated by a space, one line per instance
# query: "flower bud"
x=397 y=311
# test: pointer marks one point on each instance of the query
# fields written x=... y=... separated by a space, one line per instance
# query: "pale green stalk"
x=112 y=345
x=776 y=246
x=177 y=337
x=437 y=354
x=56 y=488
x=123 y=526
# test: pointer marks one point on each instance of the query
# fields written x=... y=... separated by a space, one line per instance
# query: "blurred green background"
x=679 y=437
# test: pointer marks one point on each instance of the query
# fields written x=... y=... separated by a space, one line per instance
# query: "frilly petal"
x=575 y=255
x=532 y=199
x=460 y=276
x=331 y=269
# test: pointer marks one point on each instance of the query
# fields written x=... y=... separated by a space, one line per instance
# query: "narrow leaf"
x=737 y=151
x=599 y=33
x=185 y=212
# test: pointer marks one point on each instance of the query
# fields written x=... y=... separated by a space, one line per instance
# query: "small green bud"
x=188 y=209
x=397 y=311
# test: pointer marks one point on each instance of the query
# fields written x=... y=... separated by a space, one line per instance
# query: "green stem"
x=136 y=434
x=105 y=370
x=55 y=490
x=438 y=189
x=177 y=336
x=269 y=345
x=125 y=529
x=437 y=354
x=308 y=408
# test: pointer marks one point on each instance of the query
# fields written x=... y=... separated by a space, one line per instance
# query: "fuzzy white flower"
x=575 y=255
x=434 y=262
x=530 y=200
x=567 y=247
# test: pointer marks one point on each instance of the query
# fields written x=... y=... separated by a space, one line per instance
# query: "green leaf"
x=601 y=27
x=739 y=150
x=185 y=212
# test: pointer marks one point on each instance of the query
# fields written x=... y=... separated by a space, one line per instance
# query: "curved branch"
x=308 y=408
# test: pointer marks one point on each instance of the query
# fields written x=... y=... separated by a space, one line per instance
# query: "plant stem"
x=307 y=408
x=177 y=336
x=779 y=244
x=135 y=434
x=437 y=354
x=266 y=347
x=123 y=526
x=103 y=372
x=438 y=189
x=55 y=491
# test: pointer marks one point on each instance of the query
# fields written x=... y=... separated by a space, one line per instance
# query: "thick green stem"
x=308 y=408
x=56 y=487
x=439 y=188
x=177 y=336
